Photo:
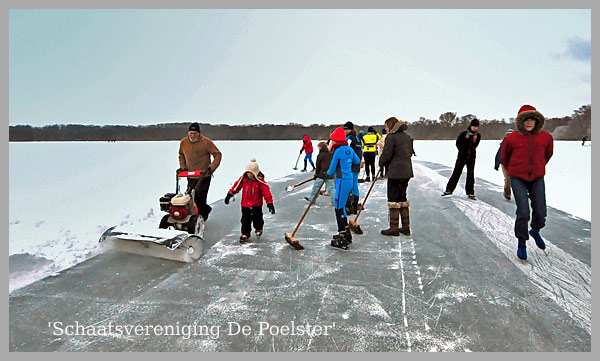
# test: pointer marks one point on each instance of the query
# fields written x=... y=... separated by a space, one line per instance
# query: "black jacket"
x=467 y=149
x=356 y=145
x=397 y=151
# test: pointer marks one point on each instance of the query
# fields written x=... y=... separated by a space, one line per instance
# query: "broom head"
x=292 y=241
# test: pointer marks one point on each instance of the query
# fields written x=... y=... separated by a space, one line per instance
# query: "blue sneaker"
x=522 y=253
x=535 y=233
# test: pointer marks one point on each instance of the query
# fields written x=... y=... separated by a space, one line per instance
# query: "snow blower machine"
x=180 y=235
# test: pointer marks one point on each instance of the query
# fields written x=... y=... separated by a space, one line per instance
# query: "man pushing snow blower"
x=180 y=232
x=195 y=151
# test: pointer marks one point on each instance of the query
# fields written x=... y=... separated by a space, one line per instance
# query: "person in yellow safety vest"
x=369 y=142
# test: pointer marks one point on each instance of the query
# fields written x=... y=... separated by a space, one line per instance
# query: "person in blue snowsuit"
x=356 y=145
x=341 y=165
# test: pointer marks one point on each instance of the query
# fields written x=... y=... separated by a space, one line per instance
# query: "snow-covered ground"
x=63 y=195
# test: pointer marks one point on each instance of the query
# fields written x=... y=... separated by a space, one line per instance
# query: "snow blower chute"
x=180 y=235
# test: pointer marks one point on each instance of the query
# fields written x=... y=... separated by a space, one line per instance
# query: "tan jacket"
x=196 y=156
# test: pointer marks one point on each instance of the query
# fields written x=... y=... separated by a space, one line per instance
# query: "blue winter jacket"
x=345 y=157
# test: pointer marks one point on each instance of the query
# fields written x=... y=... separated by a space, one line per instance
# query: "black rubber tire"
x=164 y=222
x=191 y=226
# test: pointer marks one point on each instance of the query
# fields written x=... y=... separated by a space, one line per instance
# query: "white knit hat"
x=252 y=167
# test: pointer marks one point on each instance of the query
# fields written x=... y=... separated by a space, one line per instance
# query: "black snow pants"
x=201 y=186
x=458 y=168
x=252 y=216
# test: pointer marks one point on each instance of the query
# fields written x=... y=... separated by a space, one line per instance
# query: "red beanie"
x=338 y=135
x=526 y=108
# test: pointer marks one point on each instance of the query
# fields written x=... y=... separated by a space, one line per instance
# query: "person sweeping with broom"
x=341 y=164
x=396 y=156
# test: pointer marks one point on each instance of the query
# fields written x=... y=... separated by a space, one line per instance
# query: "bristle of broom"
x=354 y=226
x=292 y=241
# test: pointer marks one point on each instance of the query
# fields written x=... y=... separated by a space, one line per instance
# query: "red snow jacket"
x=253 y=191
x=307 y=145
x=525 y=155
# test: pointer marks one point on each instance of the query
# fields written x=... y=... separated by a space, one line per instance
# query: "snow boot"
x=367 y=179
x=446 y=193
x=535 y=233
x=244 y=238
x=522 y=249
x=259 y=233
x=472 y=197
x=405 y=218
x=394 y=214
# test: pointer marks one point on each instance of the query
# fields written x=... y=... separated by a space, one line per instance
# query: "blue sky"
x=136 y=67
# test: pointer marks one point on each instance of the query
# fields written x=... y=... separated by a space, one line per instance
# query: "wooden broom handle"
x=307 y=208
x=369 y=192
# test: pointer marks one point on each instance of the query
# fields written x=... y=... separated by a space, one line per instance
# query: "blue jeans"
x=329 y=183
x=523 y=191
x=308 y=157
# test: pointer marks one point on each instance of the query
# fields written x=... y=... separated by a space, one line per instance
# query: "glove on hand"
x=271 y=208
x=229 y=196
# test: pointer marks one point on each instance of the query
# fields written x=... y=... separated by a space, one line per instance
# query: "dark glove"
x=301 y=150
x=324 y=175
x=179 y=170
x=208 y=171
x=229 y=196
x=496 y=168
x=271 y=208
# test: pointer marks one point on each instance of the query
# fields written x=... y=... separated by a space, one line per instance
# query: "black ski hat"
x=474 y=122
x=348 y=126
x=195 y=127
x=370 y=130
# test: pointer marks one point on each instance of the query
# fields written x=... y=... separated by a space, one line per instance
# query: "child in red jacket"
x=254 y=189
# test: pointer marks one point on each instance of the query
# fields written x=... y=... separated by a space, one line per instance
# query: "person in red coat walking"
x=307 y=148
x=254 y=189
x=525 y=154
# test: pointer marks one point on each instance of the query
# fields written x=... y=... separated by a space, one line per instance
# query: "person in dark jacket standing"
x=356 y=145
x=396 y=156
x=323 y=162
x=466 y=143
x=525 y=154
x=195 y=151
x=498 y=164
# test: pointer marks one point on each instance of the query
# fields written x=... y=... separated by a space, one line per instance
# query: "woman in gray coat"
x=396 y=156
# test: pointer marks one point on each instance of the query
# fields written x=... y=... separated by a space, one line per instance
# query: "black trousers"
x=458 y=168
x=252 y=216
x=369 y=163
x=396 y=189
x=200 y=186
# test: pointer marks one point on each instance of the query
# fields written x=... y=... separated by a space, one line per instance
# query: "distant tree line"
x=447 y=126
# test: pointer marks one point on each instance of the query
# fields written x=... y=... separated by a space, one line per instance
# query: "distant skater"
x=369 y=143
x=466 y=142
x=583 y=140
x=254 y=189
x=307 y=148
x=525 y=154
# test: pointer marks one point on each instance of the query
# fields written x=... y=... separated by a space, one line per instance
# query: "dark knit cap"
x=195 y=127
x=348 y=126
x=474 y=122
x=371 y=130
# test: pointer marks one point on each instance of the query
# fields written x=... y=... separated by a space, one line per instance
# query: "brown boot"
x=404 y=216
x=394 y=221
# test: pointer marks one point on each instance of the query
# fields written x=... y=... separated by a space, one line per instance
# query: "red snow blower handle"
x=190 y=173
